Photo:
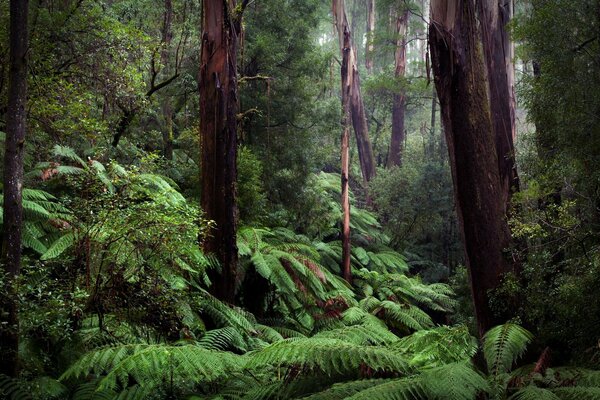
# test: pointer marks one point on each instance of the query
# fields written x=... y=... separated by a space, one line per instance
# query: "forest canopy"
x=279 y=199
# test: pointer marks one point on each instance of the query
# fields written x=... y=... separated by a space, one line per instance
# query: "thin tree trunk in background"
x=13 y=185
x=218 y=131
x=167 y=36
x=433 y=121
x=494 y=16
x=357 y=109
x=399 y=101
x=460 y=78
x=370 y=33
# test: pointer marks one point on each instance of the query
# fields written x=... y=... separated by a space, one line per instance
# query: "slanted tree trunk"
x=357 y=109
x=399 y=101
x=370 y=33
x=13 y=185
x=218 y=134
x=494 y=15
x=460 y=79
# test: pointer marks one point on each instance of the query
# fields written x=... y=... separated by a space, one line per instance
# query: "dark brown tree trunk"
x=13 y=185
x=357 y=109
x=494 y=15
x=345 y=147
x=218 y=133
x=460 y=78
x=399 y=101
x=370 y=33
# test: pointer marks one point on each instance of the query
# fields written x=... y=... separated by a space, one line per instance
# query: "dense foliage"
x=115 y=297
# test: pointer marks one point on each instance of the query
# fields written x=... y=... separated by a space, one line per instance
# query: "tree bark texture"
x=13 y=184
x=345 y=156
x=494 y=15
x=357 y=109
x=399 y=101
x=218 y=131
x=460 y=79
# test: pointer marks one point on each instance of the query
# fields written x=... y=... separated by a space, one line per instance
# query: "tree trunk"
x=370 y=33
x=167 y=36
x=357 y=109
x=345 y=145
x=218 y=131
x=13 y=185
x=399 y=102
x=494 y=15
x=460 y=78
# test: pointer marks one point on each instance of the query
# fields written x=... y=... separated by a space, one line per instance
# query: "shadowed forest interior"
x=315 y=199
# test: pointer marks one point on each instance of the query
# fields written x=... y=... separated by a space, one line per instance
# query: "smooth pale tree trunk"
x=460 y=79
x=370 y=33
x=218 y=133
x=494 y=15
x=357 y=109
x=399 y=100
x=13 y=185
x=345 y=156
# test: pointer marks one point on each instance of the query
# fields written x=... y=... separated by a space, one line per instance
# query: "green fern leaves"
x=503 y=345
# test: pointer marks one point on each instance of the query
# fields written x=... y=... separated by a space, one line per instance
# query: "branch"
x=161 y=85
x=582 y=45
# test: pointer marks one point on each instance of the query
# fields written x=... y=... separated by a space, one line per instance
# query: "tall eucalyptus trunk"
x=494 y=15
x=13 y=185
x=218 y=135
x=399 y=100
x=461 y=82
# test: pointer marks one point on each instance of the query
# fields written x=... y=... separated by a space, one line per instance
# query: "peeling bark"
x=460 y=79
x=494 y=15
x=357 y=109
x=218 y=134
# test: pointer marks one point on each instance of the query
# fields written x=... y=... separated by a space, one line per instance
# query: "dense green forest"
x=285 y=199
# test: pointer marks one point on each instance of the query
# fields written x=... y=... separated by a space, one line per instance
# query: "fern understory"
x=138 y=321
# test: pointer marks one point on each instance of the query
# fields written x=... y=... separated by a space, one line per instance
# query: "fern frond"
x=503 y=345
x=341 y=391
x=577 y=393
x=148 y=364
x=328 y=355
x=439 y=346
x=223 y=339
x=456 y=381
x=13 y=389
x=534 y=393
x=60 y=246
x=398 y=389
